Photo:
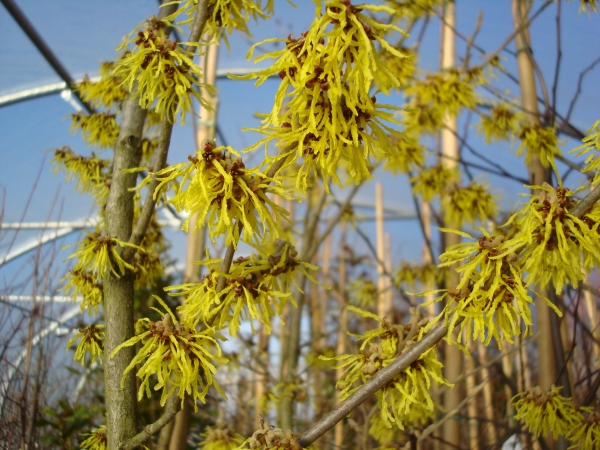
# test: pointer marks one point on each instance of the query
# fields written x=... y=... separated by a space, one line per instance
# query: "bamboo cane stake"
x=341 y=343
x=453 y=360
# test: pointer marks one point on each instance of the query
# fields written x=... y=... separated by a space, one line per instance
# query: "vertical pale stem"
x=473 y=422
x=508 y=369
x=546 y=362
x=488 y=396
x=592 y=313
x=380 y=236
x=389 y=293
x=453 y=355
x=426 y=214
x=341 y=343
x=197 y=238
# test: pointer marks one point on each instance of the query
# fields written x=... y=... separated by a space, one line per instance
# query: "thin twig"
x=558 y=61
x=582 y=75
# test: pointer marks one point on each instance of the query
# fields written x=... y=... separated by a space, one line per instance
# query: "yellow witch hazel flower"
x=363 y=292
x=79 y=284
x=410 y=155
x=220 y=438
x=491 y=298
x=91 y=172
x=466 y=204
x=586 y=434
x=556 y=245
x=413 y=9
x=99 y=130
x=541 y=141
x=501 y=124
x=107 y=92
x=98 y=256
x=225 y=16
x=327 y=73
x=96 y=440
x=217 y=186
x=182 y=358
x=589 y=6
x=91 y=339
x=432 y=181
x=163 y=70
x=271 y=438
x=256 y=288
x=409 y=389
x=545 y=412
x=591 y=145
x=448 y=92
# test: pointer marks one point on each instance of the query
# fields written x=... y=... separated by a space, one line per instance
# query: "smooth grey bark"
x=121 y=402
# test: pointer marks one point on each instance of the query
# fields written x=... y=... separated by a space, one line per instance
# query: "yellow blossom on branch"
x=217 y=186
x=432 y=181
x=502 y=123
x=79 y=284
x=327 y=73
x=225 y=16
x=220 y=438
x=591 y=145
x=556 y=246
x=98 y=130
x=467 y=204
x=99 y=256
x=540 y=141
x=182 y=359
x=91 y=339
x=410 y=388
x=257 y=288
x=107 y=92
x=90 y=172
x=585 y=434
x=545 y=412
x=96 y=440
x=491 y=298
x=164 y=71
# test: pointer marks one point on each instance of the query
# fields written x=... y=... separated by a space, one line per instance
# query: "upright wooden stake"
x=453 y=356
x=488 y=401
x=538 y=175
x=341 y=343
x=382 y=307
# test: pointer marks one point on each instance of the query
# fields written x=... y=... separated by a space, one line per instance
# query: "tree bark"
x=121 y=403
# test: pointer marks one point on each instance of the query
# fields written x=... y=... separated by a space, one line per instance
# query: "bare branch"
x=172 y=408
x=379 y=380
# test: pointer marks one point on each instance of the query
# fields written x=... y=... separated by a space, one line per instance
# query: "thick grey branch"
x=588 y=201
x=379 y=380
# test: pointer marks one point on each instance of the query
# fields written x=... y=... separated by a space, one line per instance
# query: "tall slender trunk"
x=547 y=371
x=121 y=402
x=453 y=356
x=341 y=343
